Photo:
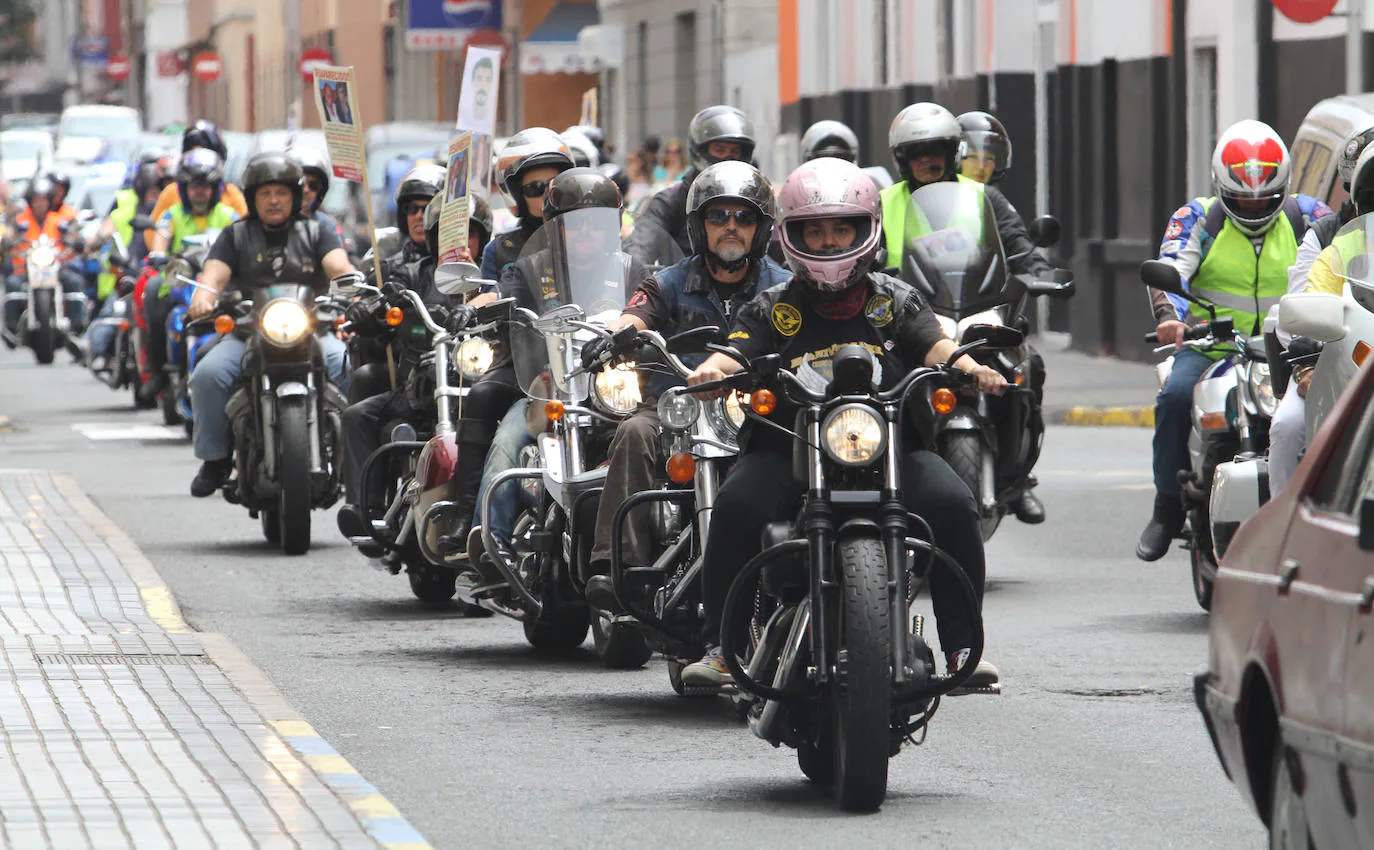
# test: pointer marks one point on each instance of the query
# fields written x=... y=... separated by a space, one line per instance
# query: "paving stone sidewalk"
x=118 y=729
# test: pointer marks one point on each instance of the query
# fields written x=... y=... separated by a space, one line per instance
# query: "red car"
x=1288 y=695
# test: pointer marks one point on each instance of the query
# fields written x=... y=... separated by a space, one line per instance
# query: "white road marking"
x=102 y=431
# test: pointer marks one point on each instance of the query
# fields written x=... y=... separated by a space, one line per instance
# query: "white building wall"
x=164 y=29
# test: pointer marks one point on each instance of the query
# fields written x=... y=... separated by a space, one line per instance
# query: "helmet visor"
x=1251 y=210
x=986 y=151
x=828 y=237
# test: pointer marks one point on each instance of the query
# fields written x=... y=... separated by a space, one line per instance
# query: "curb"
x=1135 y=416
x=382 y=820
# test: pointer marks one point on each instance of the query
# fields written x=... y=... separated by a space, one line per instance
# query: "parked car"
x=1288 y=694
x=29 y=121
x=398 y=142
x=85 y=128
x=23 y=153
x=1319 y=140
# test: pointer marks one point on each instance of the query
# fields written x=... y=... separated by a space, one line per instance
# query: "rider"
x=201 y=134
x=584 y=153
x=40 y=218
x=925 y=140
x=829 y=138
x=1234 y=248
x=716 y=134
x=62 y=186
x=276 y=242
x=149 y=178
x=831 y=235
x=729 y=219
x=530 y=159
x=596 y=136
x=200 y=187
x=315 y=165
x=985 y=150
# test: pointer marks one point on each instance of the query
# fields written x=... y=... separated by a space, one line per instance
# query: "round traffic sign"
x=1305 y=11
x=310 y=57
x=118 y=67
x=207 y=66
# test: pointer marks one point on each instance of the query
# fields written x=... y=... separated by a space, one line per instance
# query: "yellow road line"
x=1130 y=417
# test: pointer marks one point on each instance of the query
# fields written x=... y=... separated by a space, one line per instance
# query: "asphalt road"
x=480 y=742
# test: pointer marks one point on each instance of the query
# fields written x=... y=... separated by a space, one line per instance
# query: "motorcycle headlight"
x=678 y=411
x=733 y=406
x=284 y=322
x=854 y=435
x=1262 y=388
x=42 y=255
x=474 y=357
x=617 y=389
x=949 y=326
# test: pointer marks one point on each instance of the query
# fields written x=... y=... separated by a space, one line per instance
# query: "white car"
x=24 y=153
x=84 y=129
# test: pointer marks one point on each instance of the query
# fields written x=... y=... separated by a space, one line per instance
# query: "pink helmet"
x=830 y=188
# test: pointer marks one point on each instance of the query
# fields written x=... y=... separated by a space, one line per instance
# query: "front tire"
x=963 y=451
x=1200 y=558
x=167 y=400
x=43 y=338
x=293 y=473
x=432 y=586
x=565 y=629
x=862 y=694
x=621 y=647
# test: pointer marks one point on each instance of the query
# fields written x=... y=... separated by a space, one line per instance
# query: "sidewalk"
x=1081 y=389
x=122 y=728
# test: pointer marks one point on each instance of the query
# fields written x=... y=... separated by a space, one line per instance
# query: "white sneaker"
x=984 y=675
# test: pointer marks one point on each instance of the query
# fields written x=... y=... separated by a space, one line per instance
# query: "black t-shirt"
x=226 y=250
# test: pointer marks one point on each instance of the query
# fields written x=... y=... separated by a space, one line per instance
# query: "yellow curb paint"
x=329 y=764
x=1129 y=417
x=373 y=806
x=157 y=601
x=294 y=729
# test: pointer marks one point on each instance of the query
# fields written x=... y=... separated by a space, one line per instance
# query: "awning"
x=552 y=47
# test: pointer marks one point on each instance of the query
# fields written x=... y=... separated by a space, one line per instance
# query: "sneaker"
x=212 y=475
x=100 y=363
x=984 y=675
x=710 y=671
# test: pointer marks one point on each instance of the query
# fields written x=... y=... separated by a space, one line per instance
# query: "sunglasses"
x=315 y=186
x=536 y=189
x=719 y=216
x=412 y=208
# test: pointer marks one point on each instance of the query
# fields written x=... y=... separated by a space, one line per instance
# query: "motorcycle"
x=1233 y=406
x=183 y=348
x=123 y=361
x=821 y=615
x=285 y=412
x=954 y=258
x=543 y=570
x=44 y=325
x=414 y=532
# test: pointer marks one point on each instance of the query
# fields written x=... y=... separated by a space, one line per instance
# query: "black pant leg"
x=935 y=493
x=486 y=404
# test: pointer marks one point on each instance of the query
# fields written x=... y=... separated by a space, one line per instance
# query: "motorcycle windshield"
x=1354 y=258
x=570 y=269
x=953 y=253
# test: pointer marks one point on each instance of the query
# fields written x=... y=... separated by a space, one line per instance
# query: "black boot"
x=1165 y=525
x=1029 y=509
x=212 y=475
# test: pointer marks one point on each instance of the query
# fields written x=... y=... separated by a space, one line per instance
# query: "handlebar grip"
x=1152 y=337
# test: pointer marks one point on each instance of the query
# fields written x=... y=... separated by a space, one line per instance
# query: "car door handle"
x=1367 y=595
x=1287 y=572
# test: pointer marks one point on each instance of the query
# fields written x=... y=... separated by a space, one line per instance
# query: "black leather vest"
x=299 y=263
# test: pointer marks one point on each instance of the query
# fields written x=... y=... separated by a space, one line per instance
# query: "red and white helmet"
x=830 y=188
x=1250 y=172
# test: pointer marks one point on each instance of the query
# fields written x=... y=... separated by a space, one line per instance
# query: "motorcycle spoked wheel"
x=43 y=338
x=963 y=451
x=293 y=472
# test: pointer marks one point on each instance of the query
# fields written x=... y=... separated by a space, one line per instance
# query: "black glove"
x=459 y=317
x=594 y=353
x=362 y=314
x=1303 y=351
x=156 y=259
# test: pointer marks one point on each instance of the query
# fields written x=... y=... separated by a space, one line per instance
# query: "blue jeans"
x=101 y=337
x=1174 y=419
x=71 y=286
x=506 y=501
x=214 y=379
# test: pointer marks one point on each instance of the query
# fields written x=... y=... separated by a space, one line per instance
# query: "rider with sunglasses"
x=729 y=222
x=315 y=164
x=527 y=164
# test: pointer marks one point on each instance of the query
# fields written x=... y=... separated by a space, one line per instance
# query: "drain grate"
x=156 y=659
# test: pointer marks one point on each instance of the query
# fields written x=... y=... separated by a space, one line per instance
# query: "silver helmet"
x=829 y=138
x=719 y=124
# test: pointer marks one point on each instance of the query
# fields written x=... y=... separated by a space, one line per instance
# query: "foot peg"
x=369 y=547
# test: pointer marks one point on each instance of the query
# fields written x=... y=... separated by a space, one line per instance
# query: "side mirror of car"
x=1367 y=523
x=1316 y=315
x=692 y=341
x=1044 y=231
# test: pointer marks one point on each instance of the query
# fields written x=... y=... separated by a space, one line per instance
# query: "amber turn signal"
x=682 y=468
x=1361 y=353
x=763 y=402
x=224 y=324
x=554 y=410
x=943 y=401
x=394 y=316
x=340 y=321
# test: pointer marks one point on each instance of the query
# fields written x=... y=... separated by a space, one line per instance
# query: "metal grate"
x=160 y=660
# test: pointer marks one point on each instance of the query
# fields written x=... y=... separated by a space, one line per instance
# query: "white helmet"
x=1250 y=173
x=1362 y=182
x=924 y=125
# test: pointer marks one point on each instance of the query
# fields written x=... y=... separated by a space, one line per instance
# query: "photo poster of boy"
x=453 y=218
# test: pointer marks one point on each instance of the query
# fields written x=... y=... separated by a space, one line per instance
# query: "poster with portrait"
x=453 y=218
x=336 y=99
x=477 y=104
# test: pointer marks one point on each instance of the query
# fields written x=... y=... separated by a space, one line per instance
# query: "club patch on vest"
x=879 y=310
x=786 y=319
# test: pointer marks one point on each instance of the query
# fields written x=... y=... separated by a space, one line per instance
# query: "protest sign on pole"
x=590 y=106
x=477 y=101
x=336 y=99
x=453 y=218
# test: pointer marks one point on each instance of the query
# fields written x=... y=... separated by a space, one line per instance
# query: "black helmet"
x=152 y=173
x=41 y=186
x=1354 y=146
x=719 y=124
x=60 y=178
x=829 y=138
x=983 y=134
x=619 y=176
x=535 y=147
x=1362 y=182
x=580 y=189
x=204 y=166
x=314 y=163
x=730 y=181
x=420 y=183
x=204 y=134
x=272 y=167
x=432 y=213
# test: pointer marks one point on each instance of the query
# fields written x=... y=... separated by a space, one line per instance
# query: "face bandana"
x=845 y=304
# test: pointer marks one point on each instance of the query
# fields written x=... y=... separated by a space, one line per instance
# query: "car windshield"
x=20 y=148
x=100 y=125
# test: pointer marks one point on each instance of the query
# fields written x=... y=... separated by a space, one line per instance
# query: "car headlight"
x=1262 y=388
x=474 y=357
x=854 y=435
x=949 y=326
x=284 y=322
x=617 y=389
x=42 y=255
x=987 y=317
x=678 y=411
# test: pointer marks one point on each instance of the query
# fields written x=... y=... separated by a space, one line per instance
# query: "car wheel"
x=1287 y=814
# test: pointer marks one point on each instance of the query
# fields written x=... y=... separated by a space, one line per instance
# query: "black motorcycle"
x=285 y=413
x=821 y=614
x=122 y=372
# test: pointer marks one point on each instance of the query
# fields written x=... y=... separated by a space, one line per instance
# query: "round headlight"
x=42 y=255
x=617 y=389
x=474 y=357
x=1262 y=388
x=284 y=322
x=678 y=411
x=733 y=405
x=854 y=435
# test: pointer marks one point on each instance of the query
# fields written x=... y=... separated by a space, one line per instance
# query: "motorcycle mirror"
x=993 y=336
x=1164 y=277
x=1056 y=283
x=457 y=278
x=143 y=222
x=1044 y=231
x=692 y=341
x=347 y=284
